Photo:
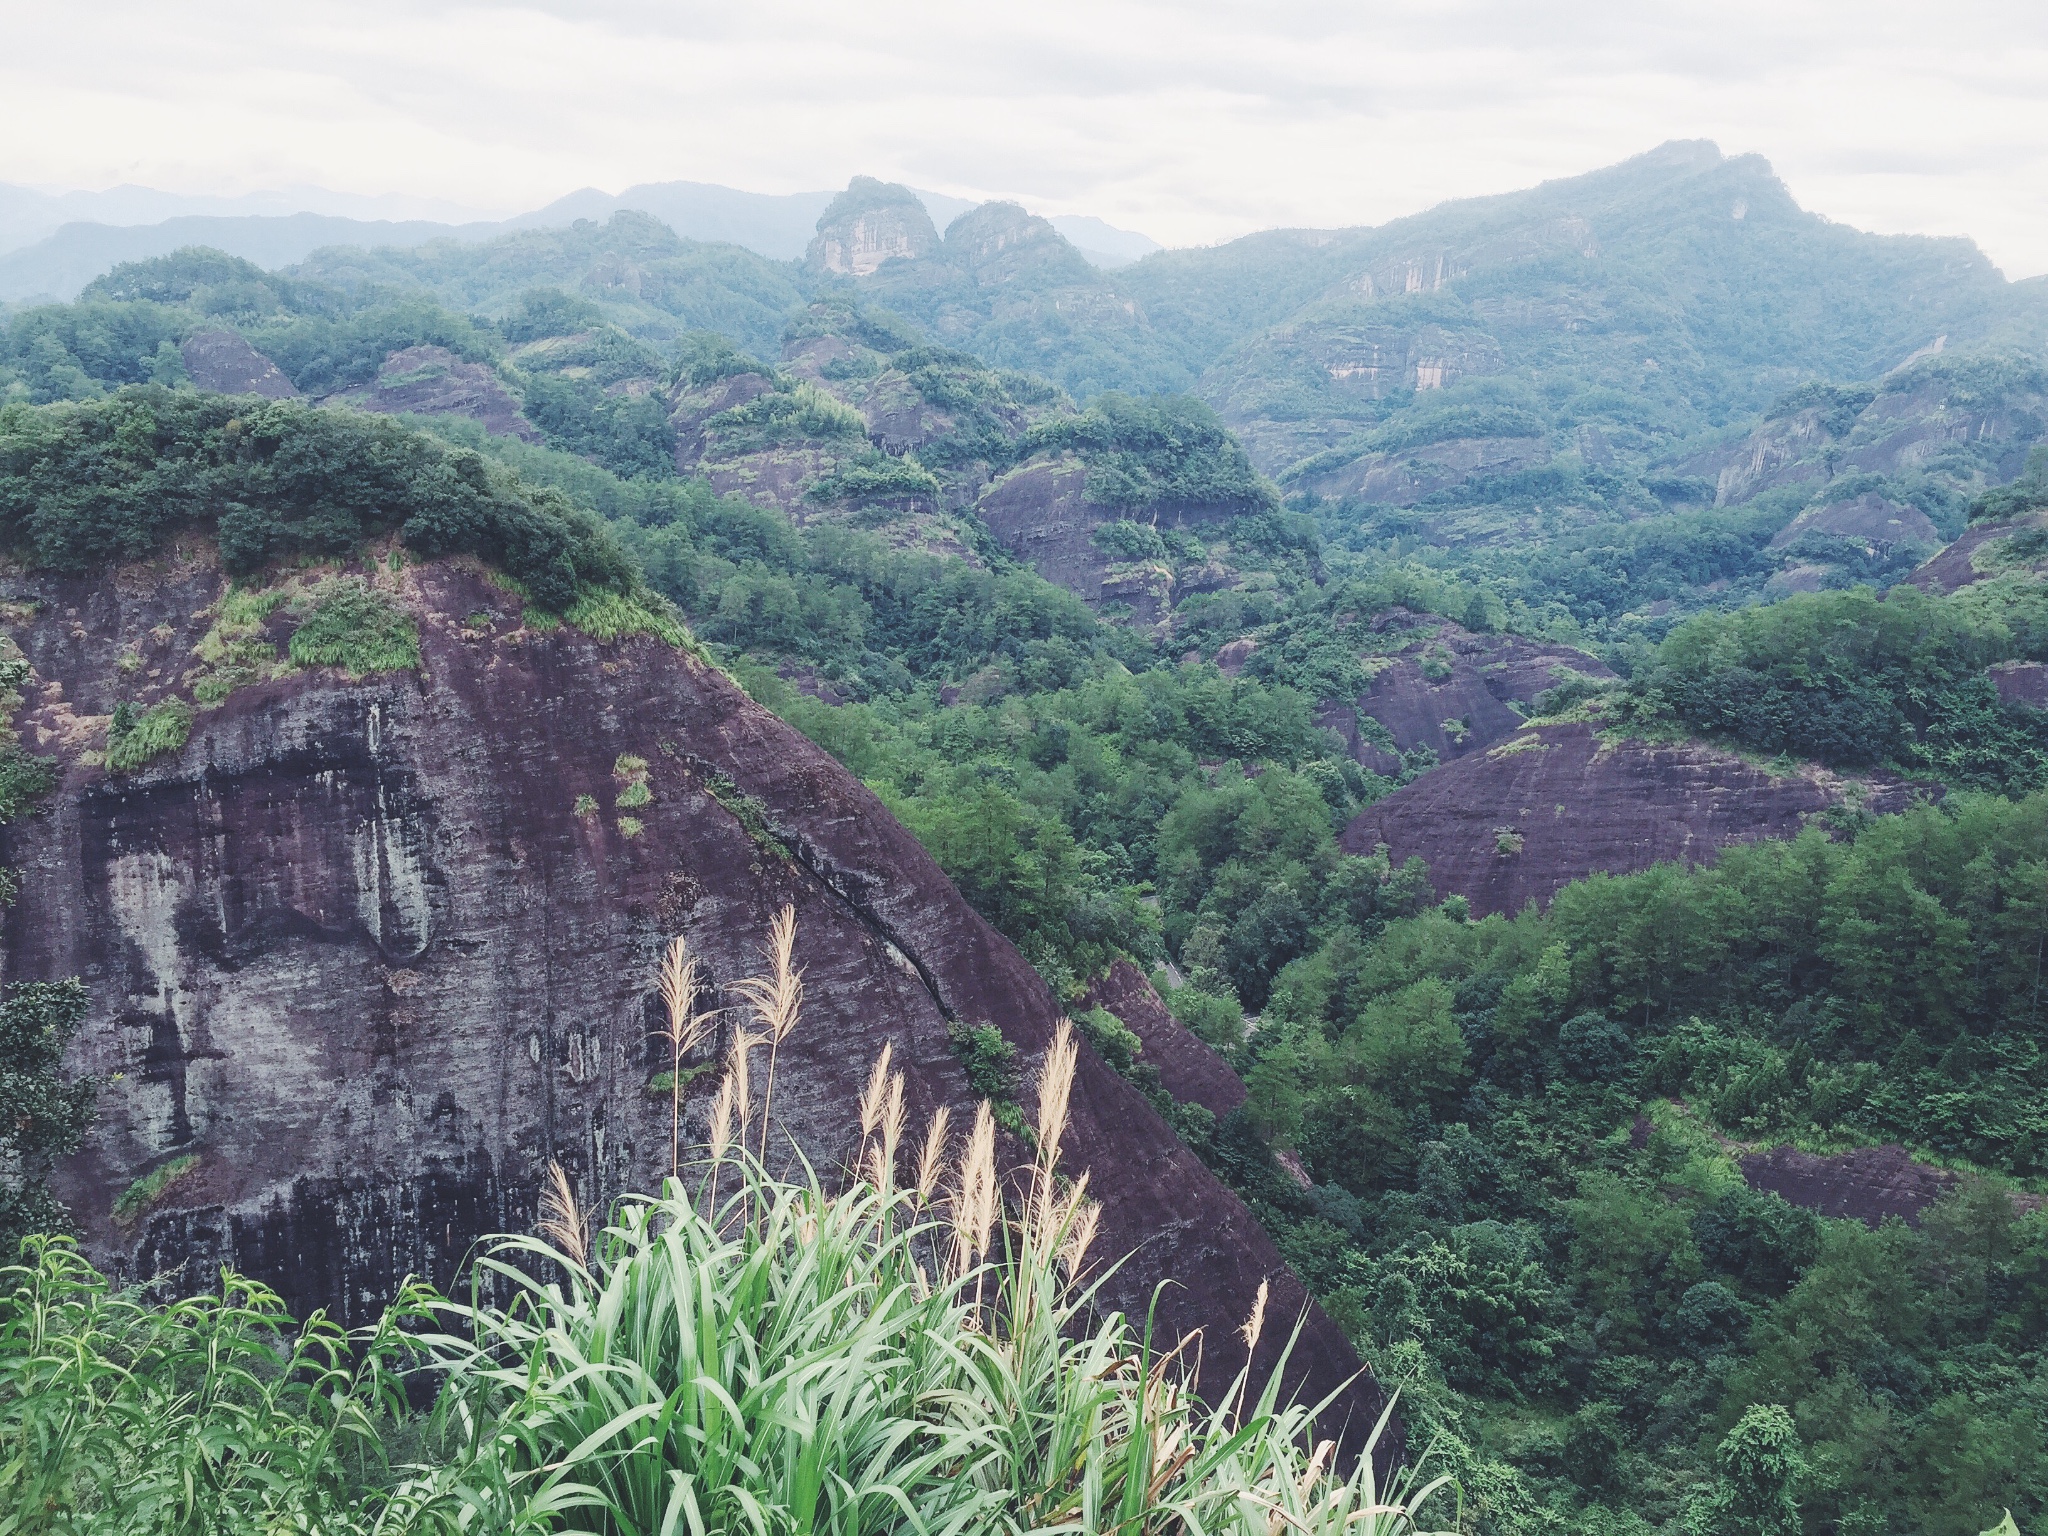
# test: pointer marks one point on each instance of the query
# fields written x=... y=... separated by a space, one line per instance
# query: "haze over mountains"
x=53 y=244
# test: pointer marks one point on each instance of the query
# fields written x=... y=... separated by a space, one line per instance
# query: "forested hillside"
x=1626 y=497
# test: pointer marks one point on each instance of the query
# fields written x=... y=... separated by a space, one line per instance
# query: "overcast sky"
x=1190 y=121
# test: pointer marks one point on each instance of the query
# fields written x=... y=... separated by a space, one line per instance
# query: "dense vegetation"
x=1519 y=1192
x=742 y=1354
x=1518 y=1131
x=1858 y=681
x=111 y=480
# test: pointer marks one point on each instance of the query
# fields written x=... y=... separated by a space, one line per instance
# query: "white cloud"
x=1191 y=121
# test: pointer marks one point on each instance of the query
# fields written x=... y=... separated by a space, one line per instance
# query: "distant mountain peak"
x=871 y=222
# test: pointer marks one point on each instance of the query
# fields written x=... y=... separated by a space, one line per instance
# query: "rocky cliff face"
x=1452 y=692
x=1188 y=1069
x=362 y=956
x=1554 y=804
x=223 y=362
x=1984 y=550
x=870 y=223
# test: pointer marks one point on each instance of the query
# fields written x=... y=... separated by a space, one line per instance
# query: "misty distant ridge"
x=53 y=244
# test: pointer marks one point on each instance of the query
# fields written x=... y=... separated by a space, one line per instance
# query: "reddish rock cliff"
x=1188 y=1068
x=1556 y=803
x=356 y=951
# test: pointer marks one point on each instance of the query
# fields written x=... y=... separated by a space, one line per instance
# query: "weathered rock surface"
x=355 y=951
x=1453 y=692
x=1871 y=1184
x=2022 y=682
x=1188 y=1068
x=1555 y=803
x=1870 y=518
x=223 y=362
x=1405 y=477
x=1982 y=551
x=1040 y=513
x=433 y=381
x=870 y=223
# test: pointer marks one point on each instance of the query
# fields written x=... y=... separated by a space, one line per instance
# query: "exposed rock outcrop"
x=1870 y=518
x=362 y=952
x=870 y=223
x=1983 y=550
x=1556 y=803
x=223 y=362
x=433 y=381
x=1872 y=1185
x=1453 y=692
x=1188 y=1068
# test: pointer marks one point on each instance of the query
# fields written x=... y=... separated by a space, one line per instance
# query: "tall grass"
x=743 y=1353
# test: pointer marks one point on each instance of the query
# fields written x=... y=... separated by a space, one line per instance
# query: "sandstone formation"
x=1556 y=803
x=1452 y=692
x=364 y=953
x=223 y=362
x=433 y=381
x=1040 y=512
x=870 y=223
x=1870 y=519
x=1871 y=1184
x=1188 y=1068
x=1983 y=550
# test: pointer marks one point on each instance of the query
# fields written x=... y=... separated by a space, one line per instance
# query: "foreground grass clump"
x=912 y=1347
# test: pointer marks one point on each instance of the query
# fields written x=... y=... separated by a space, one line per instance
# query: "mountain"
x=27 y=215
x=62 y=264
x=51 y=246
x=1563 y=1141
x=419 y=963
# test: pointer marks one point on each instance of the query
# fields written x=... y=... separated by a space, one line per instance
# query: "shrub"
x=353 y=626
x=147 y=1190
x=137 y=736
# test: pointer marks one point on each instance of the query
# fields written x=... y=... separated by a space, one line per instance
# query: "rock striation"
x=870 y=223
x=364 y=954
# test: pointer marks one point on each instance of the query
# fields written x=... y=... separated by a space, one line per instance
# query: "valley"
x=1518 y=737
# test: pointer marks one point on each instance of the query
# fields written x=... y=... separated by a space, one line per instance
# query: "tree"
x=43 y=1113
x=1760 y=1464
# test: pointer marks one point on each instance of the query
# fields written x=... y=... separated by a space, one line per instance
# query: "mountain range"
x=53 y=244
x=1519 y=736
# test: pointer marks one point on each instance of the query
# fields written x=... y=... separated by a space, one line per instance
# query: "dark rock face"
x=1870 y=517
x=354 y=949
x=1040 y=513
x=1188 y=1069
x=2022 y=682
x=1554 y=804
x=223 y=362
x=1871 y=1184
x=1980 y=552
x=432 y=381
x=1453 y=692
